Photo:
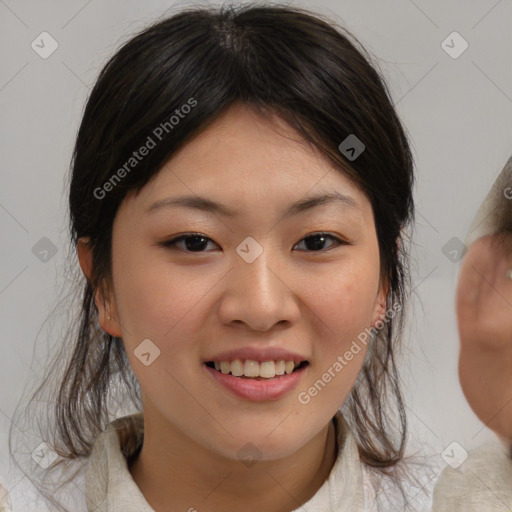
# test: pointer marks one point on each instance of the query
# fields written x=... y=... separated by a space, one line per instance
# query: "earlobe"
x=107 y=318
x=379 y=313
x=380 y=304
x=107 y=313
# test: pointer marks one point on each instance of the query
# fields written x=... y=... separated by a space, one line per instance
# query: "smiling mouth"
x=254 y=370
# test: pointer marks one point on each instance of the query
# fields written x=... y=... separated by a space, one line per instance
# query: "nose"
x=260 y=295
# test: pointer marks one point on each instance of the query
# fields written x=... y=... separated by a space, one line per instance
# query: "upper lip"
x=258 y=354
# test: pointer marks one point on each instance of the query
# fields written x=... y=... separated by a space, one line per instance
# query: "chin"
x=259 y=447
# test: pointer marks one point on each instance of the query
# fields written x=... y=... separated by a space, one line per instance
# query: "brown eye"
x=192 y=242
x=196 y=242
x=316 y=241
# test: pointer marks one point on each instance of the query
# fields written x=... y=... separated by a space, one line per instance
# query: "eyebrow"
x=209 y=206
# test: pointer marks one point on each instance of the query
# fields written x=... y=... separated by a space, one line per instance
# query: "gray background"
x=458 y=113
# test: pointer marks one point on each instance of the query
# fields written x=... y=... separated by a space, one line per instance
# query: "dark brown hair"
x=314 y=75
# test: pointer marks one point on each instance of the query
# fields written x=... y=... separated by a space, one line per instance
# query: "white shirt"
x=110 y=487
x=482 y=483
x=350 y=486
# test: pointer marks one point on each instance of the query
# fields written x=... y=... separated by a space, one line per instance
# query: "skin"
x=196 y=304
x=484 y=316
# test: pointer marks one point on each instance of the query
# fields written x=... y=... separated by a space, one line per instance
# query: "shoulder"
x=483 y=482
x=5 y=500
x=404 y=486
x=108 y=479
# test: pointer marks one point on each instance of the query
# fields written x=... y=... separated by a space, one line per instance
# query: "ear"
x=106 y=308
x=379 y=311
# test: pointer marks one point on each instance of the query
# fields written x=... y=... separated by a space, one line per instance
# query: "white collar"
x=111 y=488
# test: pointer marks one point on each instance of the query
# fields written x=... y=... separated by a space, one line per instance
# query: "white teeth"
x=237 y=368
x=268 y=369
x=280 y=366
x=250 y=368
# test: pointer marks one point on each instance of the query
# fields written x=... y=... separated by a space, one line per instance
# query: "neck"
x=174 y=474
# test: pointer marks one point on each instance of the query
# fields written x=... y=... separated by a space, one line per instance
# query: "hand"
x=484 y=317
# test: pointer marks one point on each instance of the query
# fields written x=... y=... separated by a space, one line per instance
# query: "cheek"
x=344 y=305
x=345 y=300
x=343 y=310
x=155 y=299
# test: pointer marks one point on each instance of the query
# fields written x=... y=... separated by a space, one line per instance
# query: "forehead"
x=246 y=158
x=240 y=141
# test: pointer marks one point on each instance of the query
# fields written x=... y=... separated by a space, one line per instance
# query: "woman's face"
x=251 y=287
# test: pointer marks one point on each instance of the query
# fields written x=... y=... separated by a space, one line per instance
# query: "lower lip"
x=258 y=390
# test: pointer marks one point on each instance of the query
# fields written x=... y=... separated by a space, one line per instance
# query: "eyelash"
x=172 y=243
